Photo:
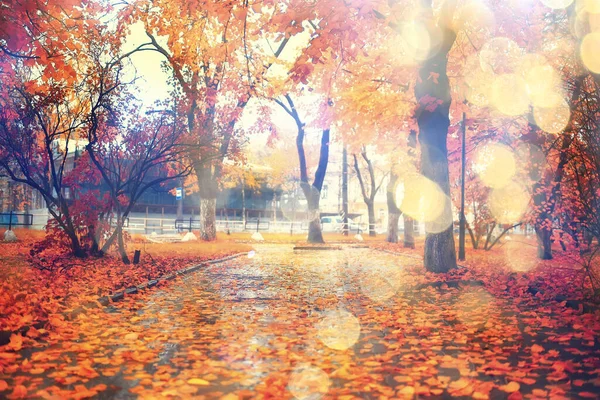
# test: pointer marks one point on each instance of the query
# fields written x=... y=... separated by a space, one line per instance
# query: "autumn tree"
x=218 y=54
x=133 y=154
x=369 y=186
x=44 y=109
x=432 y=92
x=312 y=191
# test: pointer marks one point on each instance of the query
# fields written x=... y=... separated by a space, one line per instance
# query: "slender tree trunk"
x=346 y=229
x=311 y=192
x=409 y=232
x=371 y=211
x=392 y=234
x=433 y=120
x=474 y=242
x=544 y=243
x=121 y=242
x=409 y=223
x=393 y=210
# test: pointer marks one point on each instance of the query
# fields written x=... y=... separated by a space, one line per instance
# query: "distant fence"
x=167 y=224
x=11 y=219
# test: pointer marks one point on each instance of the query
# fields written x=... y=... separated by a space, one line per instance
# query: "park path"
x=309 y=324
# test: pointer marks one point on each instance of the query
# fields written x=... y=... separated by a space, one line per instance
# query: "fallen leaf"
x=198 y=382
x=510 y=387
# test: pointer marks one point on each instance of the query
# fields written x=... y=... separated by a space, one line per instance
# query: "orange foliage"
x=29 y=296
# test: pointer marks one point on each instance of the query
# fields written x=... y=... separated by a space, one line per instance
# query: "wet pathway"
x=311 y=324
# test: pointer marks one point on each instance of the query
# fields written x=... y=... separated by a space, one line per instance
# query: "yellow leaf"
x=131 y=336
x=198 y=382
x=510 y=387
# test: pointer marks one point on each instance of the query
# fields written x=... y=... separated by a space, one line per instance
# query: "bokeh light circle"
x=508 y=204
x=417 y=40
x=509 y=95
x=500 y=55
x=590 y=52
x=338 y=330
x=381 y=283
x=591 y=6
x=308 y=382
x=543 y=86
x=495 y=164
x=554 y=119
x=478 y=82
x=423 y=200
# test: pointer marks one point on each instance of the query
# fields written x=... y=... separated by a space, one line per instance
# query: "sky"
x=152 y=86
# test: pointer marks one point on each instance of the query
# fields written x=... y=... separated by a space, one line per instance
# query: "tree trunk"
x=208 y=218
x=315 y=234
x=392 y=235
x=371 y=211
x=76 y=248
x=345 y=229
x=474 y=241
x=311 y=192
x=433 y=120
x=409 y=232
x=393 y=210
x=544 y=243
x=122 y=250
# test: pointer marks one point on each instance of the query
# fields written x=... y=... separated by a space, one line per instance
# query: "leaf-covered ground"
x=29 y=296
x=351 y=323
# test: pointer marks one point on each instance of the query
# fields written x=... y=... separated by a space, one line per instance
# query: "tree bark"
x=122 y=250
x=208 y=218
x=409 y=223
x=392 y=235
x=345 y=229
x=544 y=243
x=433 y=118
x=371 y=213
x=368 y=195
x=409 y=232
x=315 y=234
x=393 y=210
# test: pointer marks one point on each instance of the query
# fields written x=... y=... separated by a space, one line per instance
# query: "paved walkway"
x=311 y=324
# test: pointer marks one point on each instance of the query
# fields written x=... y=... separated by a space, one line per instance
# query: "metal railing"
x=167 y=225
x=11 y=219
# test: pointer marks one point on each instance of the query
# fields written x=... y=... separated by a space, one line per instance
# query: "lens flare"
x=423 y=200
x=381 y=283
x=338 y=330
x=591 y=6
x=500 y=55
x=478 y=82
x=552 y=120
x=477 y=20
x=508 y=204
x=509 y=95
x=308 y=383
x=543 y=86
x=590 y=53
x=557 y=4
x=417 y=40
x=495 y=164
